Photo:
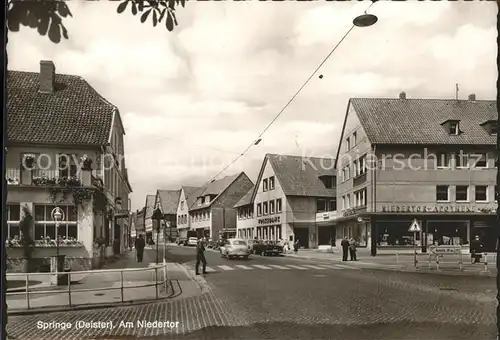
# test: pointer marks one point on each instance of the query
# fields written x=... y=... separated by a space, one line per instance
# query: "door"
x=325 y=235
x=302 y=234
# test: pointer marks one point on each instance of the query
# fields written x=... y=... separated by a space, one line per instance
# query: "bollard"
x=121 y=286
x=156 y=282
x=69 y=289
x=485 y=262
x=437 y=261
x=461 y=261
x=430 y=259
x=27 y=291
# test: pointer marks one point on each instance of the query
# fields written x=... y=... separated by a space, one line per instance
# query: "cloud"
x=192 y=100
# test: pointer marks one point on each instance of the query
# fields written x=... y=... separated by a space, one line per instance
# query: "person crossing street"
x=200 y=257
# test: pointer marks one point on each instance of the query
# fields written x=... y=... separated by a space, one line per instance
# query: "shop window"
x=481 y=193
x=45 y=225
x=278 y=205
x=321 y=205
x=443 y=160
x=264 y=185
x=442 y=193
x=259 y=209
x=395 y=233
x=447 y=233
x=462 y=193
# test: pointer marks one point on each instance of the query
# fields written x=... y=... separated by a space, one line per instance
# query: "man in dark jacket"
x=200 y=257
x=476 y=249
x=345 y=248
x=140 y=244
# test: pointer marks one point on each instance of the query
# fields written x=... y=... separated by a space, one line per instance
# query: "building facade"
x=212 y=214
x=245 y=223
x=187 y=197
x=426 y=159
x=148 y=222
x=289 y=201
x=48 y=168
x=167 y=201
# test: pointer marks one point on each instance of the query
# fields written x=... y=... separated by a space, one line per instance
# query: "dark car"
x=267 y=248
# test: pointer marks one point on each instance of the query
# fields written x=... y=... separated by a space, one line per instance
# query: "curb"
x=201 y=282
x=43 y=310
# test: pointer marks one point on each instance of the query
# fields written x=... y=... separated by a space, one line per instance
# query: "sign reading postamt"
x=269 y=220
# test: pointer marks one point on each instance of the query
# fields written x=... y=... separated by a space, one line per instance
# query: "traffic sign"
x=445 y=249
x=415 y=226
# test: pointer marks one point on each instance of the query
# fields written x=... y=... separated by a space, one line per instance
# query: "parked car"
x=267 y=248
x=235 y=248
x=192 y=241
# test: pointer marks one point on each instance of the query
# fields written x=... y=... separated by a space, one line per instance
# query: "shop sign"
x=326 y=216
x=445 y=250
x=349 y=212
x=122 y=213
x=437 y=208
x=269 y=220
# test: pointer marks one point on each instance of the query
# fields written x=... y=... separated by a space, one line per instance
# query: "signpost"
x=415 y=228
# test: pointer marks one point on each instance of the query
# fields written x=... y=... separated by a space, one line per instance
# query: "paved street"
x=309 y=299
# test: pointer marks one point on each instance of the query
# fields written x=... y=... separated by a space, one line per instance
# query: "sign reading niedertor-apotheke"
x=459 y=208
x=269 y=220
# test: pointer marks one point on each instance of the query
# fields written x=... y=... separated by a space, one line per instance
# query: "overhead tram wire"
x=257 y=140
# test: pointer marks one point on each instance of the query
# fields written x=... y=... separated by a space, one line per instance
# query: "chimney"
x=47 y=76
x=402 y=95
x=472 y=97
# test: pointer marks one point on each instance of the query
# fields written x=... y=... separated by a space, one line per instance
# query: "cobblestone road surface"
x=293 y=304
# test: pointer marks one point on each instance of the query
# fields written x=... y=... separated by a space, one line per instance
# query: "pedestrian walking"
x=345 y=248
x=285 y=247
x=332 y=244
x=200 y=257
x=352 y=249
x=296 y=246
x=140 y=244
x=476 y=248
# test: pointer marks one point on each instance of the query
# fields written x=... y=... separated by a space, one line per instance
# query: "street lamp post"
x=157 y=216
x=57 y=215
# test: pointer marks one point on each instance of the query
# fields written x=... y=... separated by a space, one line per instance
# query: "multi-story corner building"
x=427 y=159
x=245 y=223
x=213 y=214
x=167 y=201
x=290 y=200
x=187 y=197
x=65 y=149
x=149 y=208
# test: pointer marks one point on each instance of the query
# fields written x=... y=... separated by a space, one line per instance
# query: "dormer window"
x=328 y=181
x=490 y=126
x=454 y=129
x=207 y=199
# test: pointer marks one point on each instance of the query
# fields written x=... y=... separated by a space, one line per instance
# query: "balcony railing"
x=13 y=176
x=360 y=179
x=39 y=177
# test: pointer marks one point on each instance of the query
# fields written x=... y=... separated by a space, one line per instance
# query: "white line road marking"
x=225 y=267
x=346 y=267
x=261 y=266
x=296 y=267
x=210 y=270
x=313 y=267
x=278 y=266
x=243 y=266
x=330 y=266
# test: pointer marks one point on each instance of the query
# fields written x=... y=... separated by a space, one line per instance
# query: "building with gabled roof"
x=149 y=207
x=167 y=201
x=65 y=148
x=187 y=197
x=289 y=200
x=212 y=213
x=433 y=160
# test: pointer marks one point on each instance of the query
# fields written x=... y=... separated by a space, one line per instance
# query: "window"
x=462 y=193
x=480 y=160
x=454 y=129
x=45 y=225
x=66 y=166
x=278 y=205
x=182 y=204
x=442 y=193
x=481 y=193
x=361 y=165
x=343 y=203
x=496 y=194
x=443 y=160
x=271 y=183
x=354 y=137
x=332 y=205
x=493 y=128
x=348 y=201
x=328 y=181
x=264 y=185
x=360 y=198
x=321 y=205
x=265 y=208
x=259 y=209
x=347 y=144
x=13 y=219
x=461 y=160
x=271 y=207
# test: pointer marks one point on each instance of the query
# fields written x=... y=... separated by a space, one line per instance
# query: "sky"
x=193 y=99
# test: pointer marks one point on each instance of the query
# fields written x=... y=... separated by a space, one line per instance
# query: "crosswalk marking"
x=313 y=267
x=225 y=267
x=296 y=267
x=243 y=266
x=345 y=267
x=329 y=266
x=261 y=266
x=278 y=266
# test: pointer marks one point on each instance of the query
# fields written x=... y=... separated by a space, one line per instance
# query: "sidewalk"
x=59 y=295
x=448 y=264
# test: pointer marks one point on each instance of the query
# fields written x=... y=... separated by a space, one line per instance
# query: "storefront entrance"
x=302 y=234
x=326 y=234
